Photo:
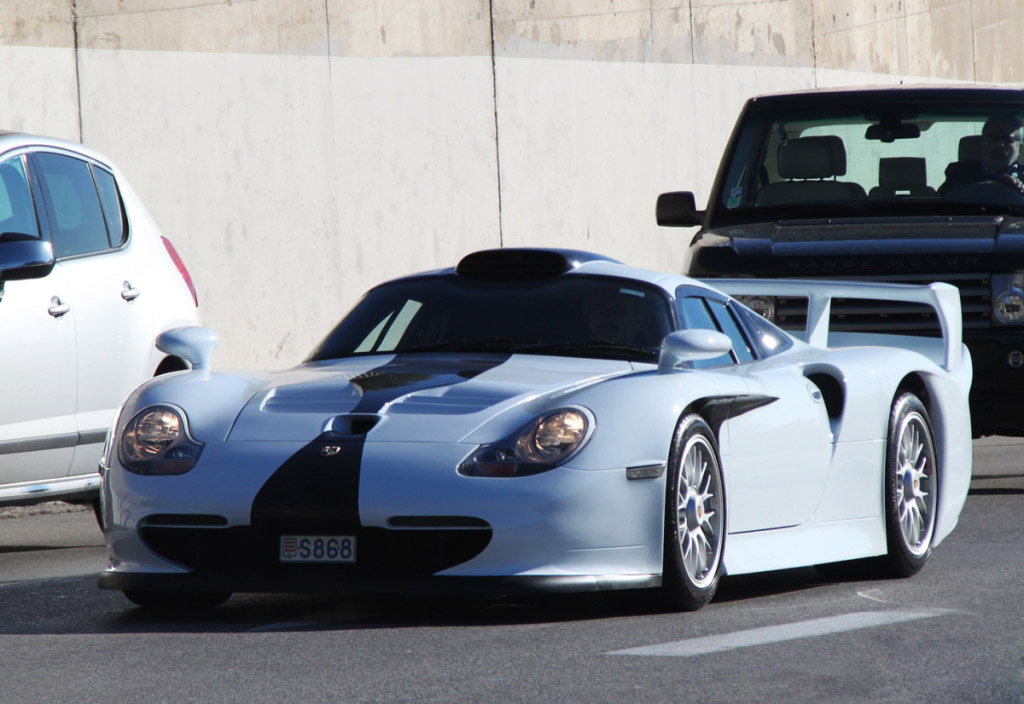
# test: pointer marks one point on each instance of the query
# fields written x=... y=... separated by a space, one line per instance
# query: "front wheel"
x=911 y=487
x=694 y=517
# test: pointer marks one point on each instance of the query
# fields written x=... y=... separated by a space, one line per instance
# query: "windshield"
x=583 y=316
x=874 y=162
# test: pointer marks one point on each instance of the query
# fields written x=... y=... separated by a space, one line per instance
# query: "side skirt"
x=805 y=545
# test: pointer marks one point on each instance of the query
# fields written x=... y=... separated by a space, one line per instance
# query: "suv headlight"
x=762 y=305
x=1008 y=306
x=157 y=441
x=542 y=444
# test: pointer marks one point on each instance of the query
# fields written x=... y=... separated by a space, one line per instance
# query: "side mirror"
x=678 y=209
x=24 y=257
x=193 y=344
x=690 y=345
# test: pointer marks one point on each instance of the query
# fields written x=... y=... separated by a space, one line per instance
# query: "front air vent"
x=351 y=424
x=438 y=522
x=185 y=519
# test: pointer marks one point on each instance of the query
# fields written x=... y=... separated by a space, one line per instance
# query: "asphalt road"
x=953 y=633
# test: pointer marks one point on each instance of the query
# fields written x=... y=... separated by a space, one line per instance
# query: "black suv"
x=898 y=184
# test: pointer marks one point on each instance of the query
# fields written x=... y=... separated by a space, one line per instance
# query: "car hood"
x=852 y=246
x=415 y=398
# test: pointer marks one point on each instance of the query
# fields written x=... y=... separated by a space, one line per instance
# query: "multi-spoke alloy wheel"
x=912 y=486
x=695 y=517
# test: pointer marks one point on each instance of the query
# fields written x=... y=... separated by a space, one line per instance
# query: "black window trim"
x=41 y=199
x=738 y=314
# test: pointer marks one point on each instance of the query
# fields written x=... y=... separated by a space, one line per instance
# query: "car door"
x=88 y=229
x=38 y=368
x=776 y=440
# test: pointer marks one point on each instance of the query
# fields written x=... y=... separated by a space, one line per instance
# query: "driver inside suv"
x=1000 y=147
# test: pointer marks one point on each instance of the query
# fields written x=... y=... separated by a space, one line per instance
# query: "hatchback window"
x=113 y=212
x=16 y=211
x=77 y=225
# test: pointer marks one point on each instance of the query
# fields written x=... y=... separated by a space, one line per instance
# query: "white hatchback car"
x=87 y=282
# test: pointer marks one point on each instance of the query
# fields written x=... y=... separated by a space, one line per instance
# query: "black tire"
x=911 y=487
x=97 y=511
x=694 y=517
x=176 y=601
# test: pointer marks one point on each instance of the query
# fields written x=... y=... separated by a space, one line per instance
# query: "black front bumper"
x=997 y=393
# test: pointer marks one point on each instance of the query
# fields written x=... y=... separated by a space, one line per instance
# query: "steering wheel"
x=990 y=191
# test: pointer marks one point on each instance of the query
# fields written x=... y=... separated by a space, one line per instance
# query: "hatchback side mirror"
x=690 y=345
x=24 y=257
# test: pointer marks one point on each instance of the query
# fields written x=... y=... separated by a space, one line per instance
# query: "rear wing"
x=943 y=298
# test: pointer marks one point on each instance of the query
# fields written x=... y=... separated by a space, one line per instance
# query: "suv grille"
x=854 y=315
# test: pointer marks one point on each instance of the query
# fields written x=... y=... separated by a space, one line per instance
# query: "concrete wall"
x=298 y=152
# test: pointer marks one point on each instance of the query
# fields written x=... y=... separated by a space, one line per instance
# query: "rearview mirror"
x=192 y=343
x=890 y=132
x=677 y=209
x=690 y=345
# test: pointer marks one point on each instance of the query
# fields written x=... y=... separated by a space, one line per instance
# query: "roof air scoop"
x=518 y=264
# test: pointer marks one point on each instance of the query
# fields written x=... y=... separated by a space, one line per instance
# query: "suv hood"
x=855 y=246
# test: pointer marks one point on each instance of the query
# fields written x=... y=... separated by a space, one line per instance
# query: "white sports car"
x=543 y=420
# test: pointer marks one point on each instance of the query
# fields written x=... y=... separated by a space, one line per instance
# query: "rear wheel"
x=911 y=487
x=694 y=517
x=176 y=601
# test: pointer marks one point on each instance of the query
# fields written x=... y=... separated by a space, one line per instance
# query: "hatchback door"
x=88 y=230
x=38 y=371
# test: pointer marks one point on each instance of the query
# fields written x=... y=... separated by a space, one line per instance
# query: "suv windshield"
x=581 y=316
x=890 y=160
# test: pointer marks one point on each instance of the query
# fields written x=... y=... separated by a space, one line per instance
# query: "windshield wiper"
x=594 y=348
x=504 y=344
x=583 y=348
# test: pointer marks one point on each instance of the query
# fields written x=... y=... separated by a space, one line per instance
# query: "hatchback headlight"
x=542 y=444
x=157 y=441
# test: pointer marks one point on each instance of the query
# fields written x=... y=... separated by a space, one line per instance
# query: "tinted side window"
x=113 y=210
x=16 y=211
x=769 y=339
x=727 y=323
x=72 y=204
x=697 y=316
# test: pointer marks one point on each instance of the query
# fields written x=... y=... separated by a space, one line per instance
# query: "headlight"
x=1008 y=298
x=1009 y=307
x=762 y=305
x=156 y=441
x=541 y=445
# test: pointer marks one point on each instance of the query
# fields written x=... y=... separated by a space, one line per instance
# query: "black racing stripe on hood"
x=405 y=374
x=320 y=482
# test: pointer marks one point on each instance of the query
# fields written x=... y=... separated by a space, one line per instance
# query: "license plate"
x=318 y=548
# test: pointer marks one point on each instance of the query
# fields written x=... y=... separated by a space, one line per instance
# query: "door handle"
x=58 y=308
x=128 y=292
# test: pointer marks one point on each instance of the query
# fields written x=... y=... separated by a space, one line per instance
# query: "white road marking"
x=776 y=634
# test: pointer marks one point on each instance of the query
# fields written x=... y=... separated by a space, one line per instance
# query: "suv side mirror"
x=24 y=257
x=678 y=209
